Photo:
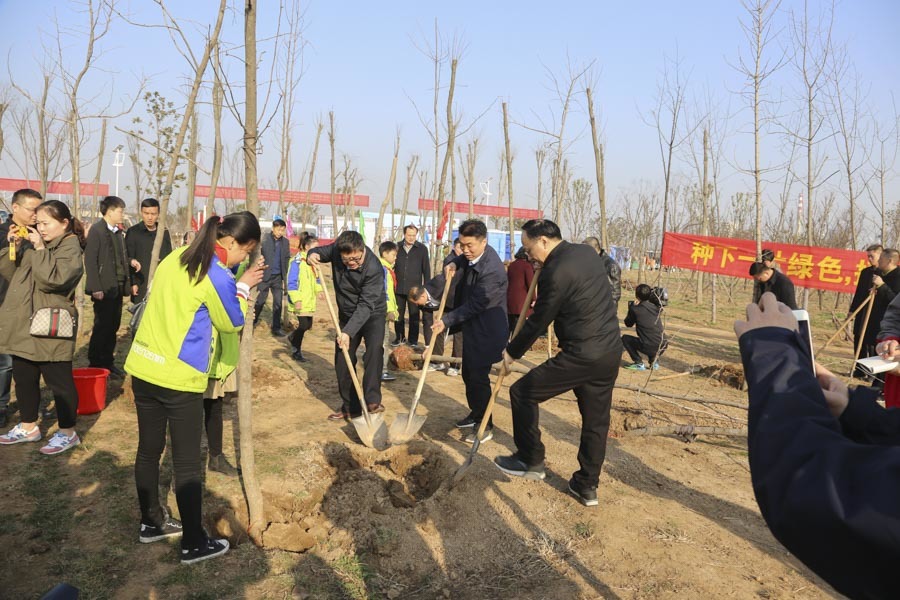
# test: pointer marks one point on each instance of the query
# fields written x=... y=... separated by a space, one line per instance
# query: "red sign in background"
x=806 y=266
x=484 y=209
x=291 y=197
x=54 y=187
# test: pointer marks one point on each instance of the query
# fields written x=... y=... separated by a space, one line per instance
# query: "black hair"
x=242 y=226
x=60 y=212
x=473 y=228
x=536 y=228
x=891 y=254
x=149 y=203
x=520 y=253
x=279 y=223
x=306 y=238
x=349 y=241
x=456 y=241
x=875 y=248
x=767 y=255
x=593 y=243
x=387 y=246
x=758 y=267
x=410 y=226
x=20 y=195
x=111 y=202
x=415 y=292
x=643 y=292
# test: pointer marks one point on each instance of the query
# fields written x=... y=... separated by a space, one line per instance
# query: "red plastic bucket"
x=91 y=385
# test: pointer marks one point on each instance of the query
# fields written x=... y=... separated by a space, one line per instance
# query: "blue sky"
x=362 y=64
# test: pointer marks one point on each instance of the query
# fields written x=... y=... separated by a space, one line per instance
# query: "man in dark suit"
x=108 y=281
x=480 y=312
x=863 y=286
x=276 y=251
x=768 y=279
x=412 y=268
x=139 y=240
x=887 y=285
x=359 y=287
x=575 y=295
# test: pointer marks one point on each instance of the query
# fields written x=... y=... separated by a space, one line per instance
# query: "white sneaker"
x=17 y=435
x=488 y=436
x=451 y=372
x=60 y=442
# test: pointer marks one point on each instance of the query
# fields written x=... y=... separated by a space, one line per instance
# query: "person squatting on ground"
x=388 y=256
x=480 y=312
x=412 y=268
x=108 y=281
x=613 y=270
x=24 y=204
x=645 y=314
x=139 y=240
x=822 y=458
x=276 y=250
x=188 y=334
x=575 y=295
x=863 y=286
x=359 y=289
x=45 y=274
x=768 y=279
x=303 y=290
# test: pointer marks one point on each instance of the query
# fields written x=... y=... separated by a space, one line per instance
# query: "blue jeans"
x=5 y=379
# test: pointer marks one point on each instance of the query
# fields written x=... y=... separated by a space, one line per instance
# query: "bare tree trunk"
x=218 y=100
x=704 y=194
x=193 y=148
x=100 y=154
x=600 y=167
x=312 y=173
x=388 y=197
x=410 y=173
x=471 y=159
x=331 y=143
x=509 y=185
x=43 y=151
x=448 y=154
x=540 y=156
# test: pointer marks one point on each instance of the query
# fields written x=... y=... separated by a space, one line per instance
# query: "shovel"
x=405 y=426
x=370 y=428
x=497 y=384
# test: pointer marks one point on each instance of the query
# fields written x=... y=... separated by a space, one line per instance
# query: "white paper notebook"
x=875 y=364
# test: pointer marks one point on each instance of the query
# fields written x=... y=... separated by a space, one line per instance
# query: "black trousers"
x=373 y=334
x=5 y=379
x=478 y=389
x=635 y=347
x=57 y=376
x=415 y=315
x=157 y=408
x=592 y=380
x=304 y=324
x=213 y=422
x=274 y=283
x=107 y=318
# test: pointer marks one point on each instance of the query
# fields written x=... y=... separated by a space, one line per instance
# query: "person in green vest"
x=303 y=288
x=388 y=255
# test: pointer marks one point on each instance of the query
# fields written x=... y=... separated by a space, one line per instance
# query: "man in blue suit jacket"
x=480 y=313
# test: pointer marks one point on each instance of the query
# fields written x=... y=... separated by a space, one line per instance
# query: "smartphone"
x=806 y=334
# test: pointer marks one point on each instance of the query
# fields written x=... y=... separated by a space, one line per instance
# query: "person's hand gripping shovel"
x=497 y=385
x=405 y=426
x=370 y=428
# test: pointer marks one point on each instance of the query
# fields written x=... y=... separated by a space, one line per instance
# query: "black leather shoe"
x=116 y=371
x=588 y=497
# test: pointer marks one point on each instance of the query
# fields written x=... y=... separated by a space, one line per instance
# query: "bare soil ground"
x=676 y=519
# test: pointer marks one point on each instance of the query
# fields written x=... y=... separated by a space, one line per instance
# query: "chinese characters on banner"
x=806 y=266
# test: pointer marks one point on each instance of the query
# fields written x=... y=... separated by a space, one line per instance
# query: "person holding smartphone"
x=823 y=457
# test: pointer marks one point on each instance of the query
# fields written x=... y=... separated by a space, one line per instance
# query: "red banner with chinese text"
x=806 y=266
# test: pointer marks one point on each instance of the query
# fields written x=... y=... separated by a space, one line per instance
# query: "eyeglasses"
x=353 y=260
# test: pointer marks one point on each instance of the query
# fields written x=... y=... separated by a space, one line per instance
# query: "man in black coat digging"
x=575 y=296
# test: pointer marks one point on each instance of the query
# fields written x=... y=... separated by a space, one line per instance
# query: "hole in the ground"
x=730 y=375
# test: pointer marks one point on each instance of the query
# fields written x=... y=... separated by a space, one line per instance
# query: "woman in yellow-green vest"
x=303 y=288
x=195 y=299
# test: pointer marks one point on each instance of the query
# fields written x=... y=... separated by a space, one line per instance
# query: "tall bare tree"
x=193 y=150
x=312 y=172
x=509 y=185
x=599 y=167
x=471 y=160
x=389 y=196
x=333 y=181
x=883 y=159
x=291 y=73
x=218 y=100
x=410 y=174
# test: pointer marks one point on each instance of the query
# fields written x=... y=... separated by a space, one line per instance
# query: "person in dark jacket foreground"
x=823 y=459
x=575 y=295
x=646 y=316
x=359 y=287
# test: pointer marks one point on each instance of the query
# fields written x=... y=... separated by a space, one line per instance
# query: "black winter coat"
x=100 y=261
x=412 y=268
x=267 y=248
x=826 y=487
x=139 y=246
x=782 y=287
x=883 y=297
x=614 y=273
x=360 y=293
x=575 y=296
x=647 y=318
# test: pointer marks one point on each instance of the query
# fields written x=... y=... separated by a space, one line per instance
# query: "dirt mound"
x=401 y=358
x=729 y=374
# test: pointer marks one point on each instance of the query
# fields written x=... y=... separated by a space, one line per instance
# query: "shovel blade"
x=373 y=434
x=403 y=430
x=465 y=466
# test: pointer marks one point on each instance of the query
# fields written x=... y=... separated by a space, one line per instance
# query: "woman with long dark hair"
x=44 y=275
x=303 y=289
x=194 y=305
